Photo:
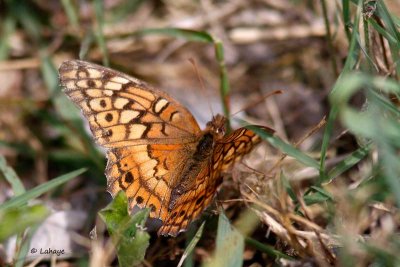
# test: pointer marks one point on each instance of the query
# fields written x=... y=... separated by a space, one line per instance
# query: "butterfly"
x=156 y=151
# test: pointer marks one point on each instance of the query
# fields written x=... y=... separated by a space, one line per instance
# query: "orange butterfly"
x=156 y=151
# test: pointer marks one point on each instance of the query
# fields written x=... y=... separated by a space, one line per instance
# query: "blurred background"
x=298 y=47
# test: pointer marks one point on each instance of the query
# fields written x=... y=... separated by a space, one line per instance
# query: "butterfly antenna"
x=258 y=101
x=203 y=91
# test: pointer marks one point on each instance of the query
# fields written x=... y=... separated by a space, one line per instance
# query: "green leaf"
x=127 y=232
x=39 y=190
x=15 y=220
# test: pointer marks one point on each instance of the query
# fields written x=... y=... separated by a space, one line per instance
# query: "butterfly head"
x=217 y=126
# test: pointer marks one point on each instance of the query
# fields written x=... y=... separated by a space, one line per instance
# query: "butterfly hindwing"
x=189 y=205
x=147 y=173
x=234 y=146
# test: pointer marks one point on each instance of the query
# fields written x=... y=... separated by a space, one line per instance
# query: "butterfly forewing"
x=124 y=111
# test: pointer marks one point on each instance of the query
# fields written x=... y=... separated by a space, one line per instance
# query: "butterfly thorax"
x=202 y=155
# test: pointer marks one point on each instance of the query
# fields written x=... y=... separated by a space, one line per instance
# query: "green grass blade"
x=322 y=191
x=124 y=9
x=329 y=38
x=350 y=64
x=40 y=189
x=29 y=20
x=391 y=169
x=383 y=31
x=315 y=195
x=26 y=242
x=201 y=36
x=71 y=12
x=325 y=143
x=349 y=162
x=49 y=73
x=8 y=27
x=11 y=177
x=192 y=244
x=189 y=35
x=267 y=249
x=224 y=80
x=85 y=44
x=383 y=130
x=315 y=198
x=384 y=102
x=346 y=18
x=98 y=29
x=391 y=27
x=384 y=13
x=285 y=147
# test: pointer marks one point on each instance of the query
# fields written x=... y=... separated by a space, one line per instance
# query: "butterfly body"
x=156 y=151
